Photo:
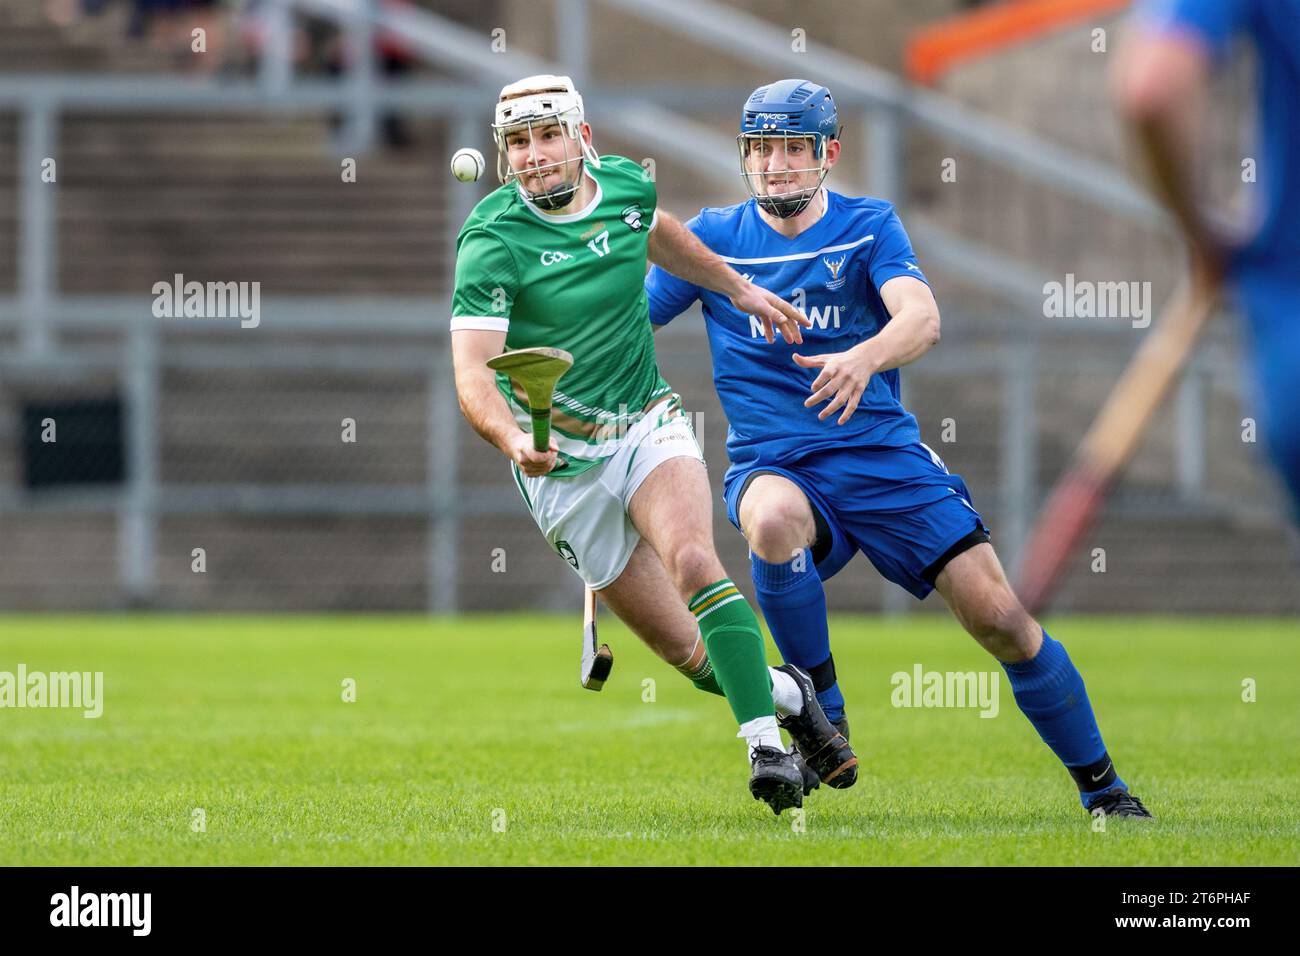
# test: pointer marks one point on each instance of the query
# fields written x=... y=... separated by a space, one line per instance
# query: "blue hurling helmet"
x=786 y=110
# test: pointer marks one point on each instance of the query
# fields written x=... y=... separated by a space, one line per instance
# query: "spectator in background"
x=319 y=47
x=169 y=25
x=393 y=60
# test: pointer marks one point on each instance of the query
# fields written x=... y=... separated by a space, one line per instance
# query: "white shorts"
x=584 y=518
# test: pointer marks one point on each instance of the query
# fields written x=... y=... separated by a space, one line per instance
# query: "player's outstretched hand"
x=774 y=311
x=533 y=463
x=843 y=379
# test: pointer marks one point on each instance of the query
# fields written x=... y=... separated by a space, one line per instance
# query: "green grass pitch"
x=470 y=742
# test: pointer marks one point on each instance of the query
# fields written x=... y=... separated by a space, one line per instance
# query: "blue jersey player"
x=825 y=461
x=1160 y=83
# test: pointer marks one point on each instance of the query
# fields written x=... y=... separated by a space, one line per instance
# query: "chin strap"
x=557 y=197
x=786 y=207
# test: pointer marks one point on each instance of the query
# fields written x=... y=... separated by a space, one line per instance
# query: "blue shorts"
x=1271 y=301
x=899 y=506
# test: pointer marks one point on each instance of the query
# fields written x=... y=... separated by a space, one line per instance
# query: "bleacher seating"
x=236 y=197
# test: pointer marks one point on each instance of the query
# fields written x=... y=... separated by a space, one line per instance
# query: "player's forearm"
x=908 y=335
x=1159 y=86
x=486 y=411
x=1166 y=143
x=676 y=249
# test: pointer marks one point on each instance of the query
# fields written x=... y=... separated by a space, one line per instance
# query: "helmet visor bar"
x=530 y=130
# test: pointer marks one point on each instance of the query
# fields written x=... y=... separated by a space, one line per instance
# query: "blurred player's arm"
x=676 y=249
x=912 y=330
x=1160 y=85
x=485 y=408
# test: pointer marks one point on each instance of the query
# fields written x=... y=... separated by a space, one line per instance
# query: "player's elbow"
x=1151 y=81
x=465 y=404
x=930 y=328
x=1143 y=99
x=469 y=390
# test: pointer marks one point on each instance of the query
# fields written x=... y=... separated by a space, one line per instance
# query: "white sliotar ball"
x=467 y=165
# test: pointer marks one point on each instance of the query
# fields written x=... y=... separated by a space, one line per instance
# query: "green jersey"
x=576 y=282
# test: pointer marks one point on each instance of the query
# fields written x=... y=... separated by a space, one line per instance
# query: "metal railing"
x=889 y=108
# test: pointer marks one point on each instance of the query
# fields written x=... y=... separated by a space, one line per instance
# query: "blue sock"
x=1049 y=691
x=794 y=605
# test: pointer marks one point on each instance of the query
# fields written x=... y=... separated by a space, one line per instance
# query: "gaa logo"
x=550 y=258
x=566 y=552
x=632 y=216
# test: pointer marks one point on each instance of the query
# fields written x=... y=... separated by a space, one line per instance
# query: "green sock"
x=735 y=647
x=709 y=684
x=698 y=669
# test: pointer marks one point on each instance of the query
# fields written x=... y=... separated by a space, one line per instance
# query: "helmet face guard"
x=788 y=110
x=557 y=196
x=788 y=204
x=531 y=115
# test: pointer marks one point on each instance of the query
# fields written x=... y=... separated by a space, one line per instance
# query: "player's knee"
x=777 y=531
x=694 y=566
x=1002 y=625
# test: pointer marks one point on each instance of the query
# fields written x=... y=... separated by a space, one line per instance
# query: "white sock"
x=786 y=693
x=761 y=732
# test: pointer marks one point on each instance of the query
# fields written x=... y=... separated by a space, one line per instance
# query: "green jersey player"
x=557 y=257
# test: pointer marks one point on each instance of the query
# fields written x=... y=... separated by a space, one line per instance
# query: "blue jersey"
x=1273 y=27
x=833 y=271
